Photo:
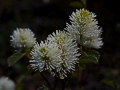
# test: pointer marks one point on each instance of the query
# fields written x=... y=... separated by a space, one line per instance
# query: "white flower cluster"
x=58 y=54
x=84 y=29
x=23 y=37
x=6 y=84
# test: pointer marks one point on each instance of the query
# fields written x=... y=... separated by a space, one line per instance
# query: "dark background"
x=45 y=16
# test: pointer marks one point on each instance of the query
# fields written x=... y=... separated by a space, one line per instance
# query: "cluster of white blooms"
x=23 y=37
x=58 y=54
x=6 y=84
x=84 y=29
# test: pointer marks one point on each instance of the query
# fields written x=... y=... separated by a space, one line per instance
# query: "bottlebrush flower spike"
x=69 y=52
x=45 y=56
x=84 y=29
x=23 y=37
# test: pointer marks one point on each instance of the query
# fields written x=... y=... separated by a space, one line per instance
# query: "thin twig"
x=46 y=81
x=81 y=79
x=63 y=83
x=56 y=80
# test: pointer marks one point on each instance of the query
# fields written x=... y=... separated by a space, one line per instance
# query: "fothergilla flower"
x=84 y=29
x=69 y=52
x=23 y=37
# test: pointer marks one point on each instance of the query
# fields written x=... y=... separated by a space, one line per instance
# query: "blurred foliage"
x=14 y=58
x=45 y=16
x=90 y=56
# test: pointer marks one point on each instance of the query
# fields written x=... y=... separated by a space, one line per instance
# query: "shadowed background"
x=45 y=16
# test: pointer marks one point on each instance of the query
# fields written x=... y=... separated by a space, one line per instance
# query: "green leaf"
x=76 y=4
x=88 y=59
x=93 y=52
x=82 y=66
x=14 y=58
